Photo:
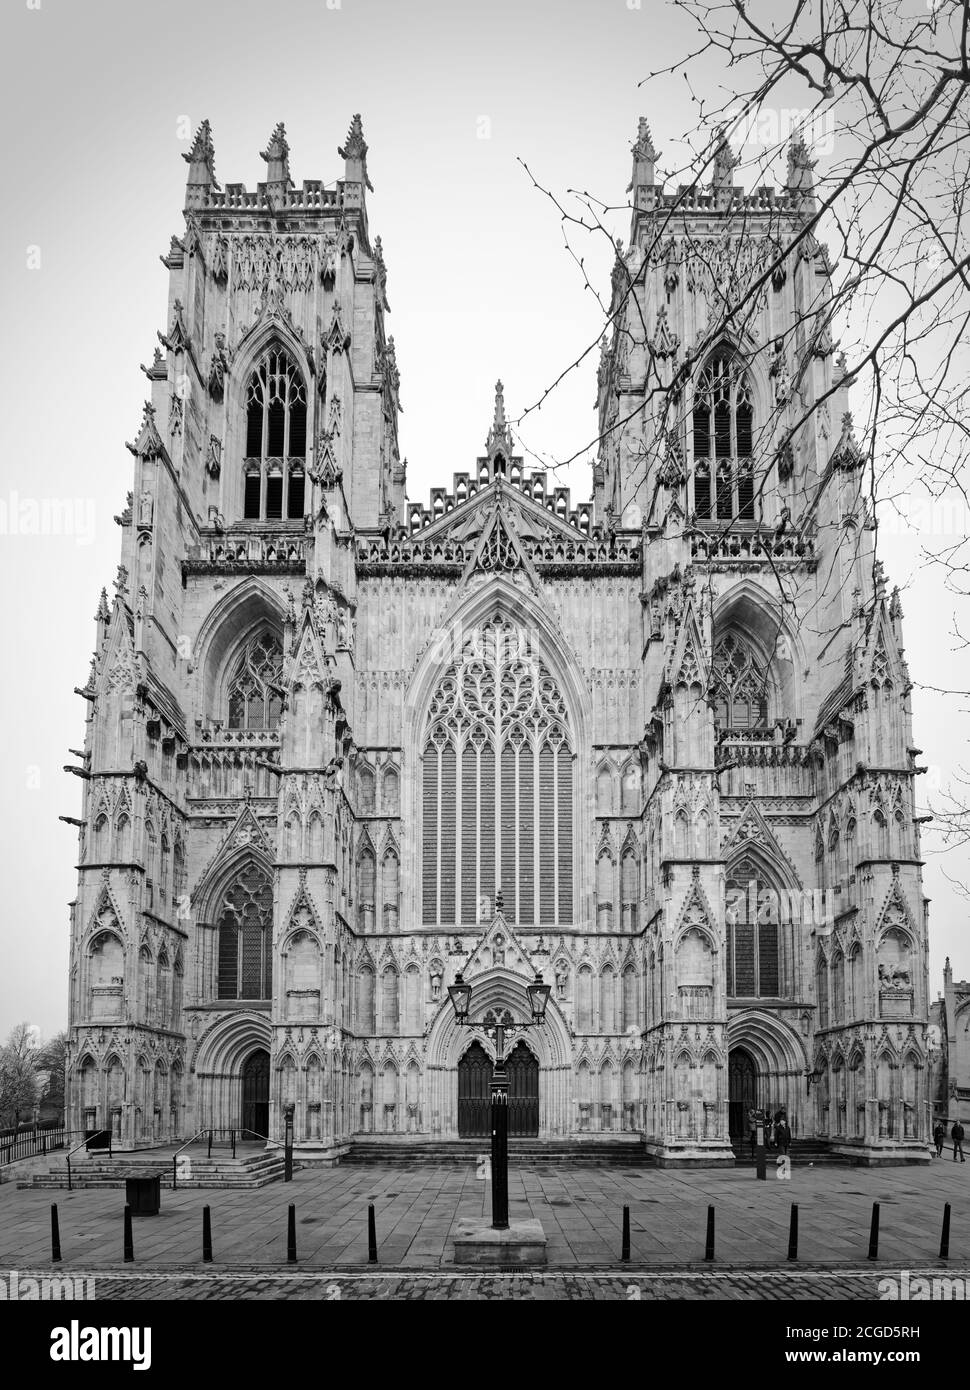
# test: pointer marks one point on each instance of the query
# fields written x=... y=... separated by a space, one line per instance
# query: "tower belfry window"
x=274 y=470
x=722 y=436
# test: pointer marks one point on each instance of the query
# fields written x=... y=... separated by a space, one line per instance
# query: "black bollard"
x=371 y=1236
x=129 y=1242
x=625 y=1252
x=874 y=1233
x=793 y=1233
x=291 y=1235
x=945 y=1235
x=206 y=1235
x=709 y=1243
x=56 y=1233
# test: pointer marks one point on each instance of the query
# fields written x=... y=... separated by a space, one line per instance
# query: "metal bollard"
x=206 y=1236
x=129 y=1242
x=625 y=1252
x=874 y=1233
x=291 y=1235
x=371 y=1236
x=54 y=1235
x=793 y=1233
x=709 y=1243
x=945 y=1235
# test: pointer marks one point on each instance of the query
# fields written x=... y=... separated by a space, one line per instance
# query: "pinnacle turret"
x=277 y=157
x=354 y=154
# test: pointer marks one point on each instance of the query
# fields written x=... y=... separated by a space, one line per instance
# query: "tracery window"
x=740 y=685
x=723 y=423
x=255 y=696
x=753 y=918
x=274 y=470
x=498 y=786
x=245 y=923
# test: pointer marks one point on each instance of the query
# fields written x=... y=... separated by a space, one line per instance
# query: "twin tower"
x=654 y=742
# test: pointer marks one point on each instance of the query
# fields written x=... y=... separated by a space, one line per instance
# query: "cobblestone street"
x=581 y=1214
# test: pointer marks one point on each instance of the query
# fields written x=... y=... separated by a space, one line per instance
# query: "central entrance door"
x=742 y=1090
x=474 y=1093
x=474 y=1100
x=255 y=1093
x=523 y=1092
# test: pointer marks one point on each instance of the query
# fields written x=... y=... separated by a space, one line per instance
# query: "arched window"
x=740 y=685
x=753 y=918
x=366 y=888
x=276 y=425
x=723 y=424
x=254 y=694
x=245 y=924
x=498 y=786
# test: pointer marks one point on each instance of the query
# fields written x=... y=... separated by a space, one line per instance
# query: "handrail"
x=51 y=1139
x=175 y=1155
x=83 y=1145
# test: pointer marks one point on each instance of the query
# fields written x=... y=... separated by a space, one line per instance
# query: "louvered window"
x=498 y=787
x=274 y=470
x=722 y=438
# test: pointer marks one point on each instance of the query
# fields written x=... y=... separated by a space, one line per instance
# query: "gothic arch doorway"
x=474 y=1080
x=474 y=1093
x=523 y=1067
x=255 y=1094
x=742 y=1090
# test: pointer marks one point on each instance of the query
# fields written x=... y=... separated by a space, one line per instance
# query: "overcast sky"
x=98 y=96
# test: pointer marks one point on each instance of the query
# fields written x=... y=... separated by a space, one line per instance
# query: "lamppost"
x=500 y=1032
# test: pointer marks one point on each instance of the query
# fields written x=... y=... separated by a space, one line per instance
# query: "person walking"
x=753 y=1129
x=956 y=1134
x=783 y=1134
x=939 y=1137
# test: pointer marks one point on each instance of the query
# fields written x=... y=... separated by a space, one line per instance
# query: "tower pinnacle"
x=354 y=154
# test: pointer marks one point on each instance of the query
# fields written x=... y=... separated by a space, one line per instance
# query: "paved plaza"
x=580 y=1209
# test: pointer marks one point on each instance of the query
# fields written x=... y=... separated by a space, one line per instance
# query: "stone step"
x=249 y=1172
x=426 y=1152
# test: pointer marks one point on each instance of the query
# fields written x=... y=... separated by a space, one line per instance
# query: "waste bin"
x=144 y=1195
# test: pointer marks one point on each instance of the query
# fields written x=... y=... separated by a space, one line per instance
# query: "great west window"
x=498 y=786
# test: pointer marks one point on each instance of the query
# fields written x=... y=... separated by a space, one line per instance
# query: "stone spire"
x=799 y=181
x=725 y=162
x=354 y=154
x=201 y=160
x=499 y=436
x=277 y=156
x=644 y=159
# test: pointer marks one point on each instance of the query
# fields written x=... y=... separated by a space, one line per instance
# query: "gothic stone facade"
x=341 y=746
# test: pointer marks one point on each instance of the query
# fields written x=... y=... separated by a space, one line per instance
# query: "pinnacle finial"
x=354 y=154
x=201 y=158
x=643 y=149
x=277 y=156
x=725 y=161
x=499 y=436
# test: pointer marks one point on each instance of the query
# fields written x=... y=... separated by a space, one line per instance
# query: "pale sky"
x=98 y=97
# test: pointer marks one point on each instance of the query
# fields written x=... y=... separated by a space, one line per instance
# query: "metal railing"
x=175 y=1156
x=89 y=1138
x=39 y=1139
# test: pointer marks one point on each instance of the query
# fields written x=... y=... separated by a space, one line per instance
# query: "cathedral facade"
x=654 y=744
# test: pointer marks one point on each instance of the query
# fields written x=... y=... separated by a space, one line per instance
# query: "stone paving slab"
x=580 y=1210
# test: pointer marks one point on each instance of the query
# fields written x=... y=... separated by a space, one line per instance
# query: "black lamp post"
x=500 y=1032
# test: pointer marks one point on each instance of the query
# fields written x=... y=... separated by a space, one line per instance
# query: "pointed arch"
x=499 y=599
x=248 y=607
x=253 y=359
